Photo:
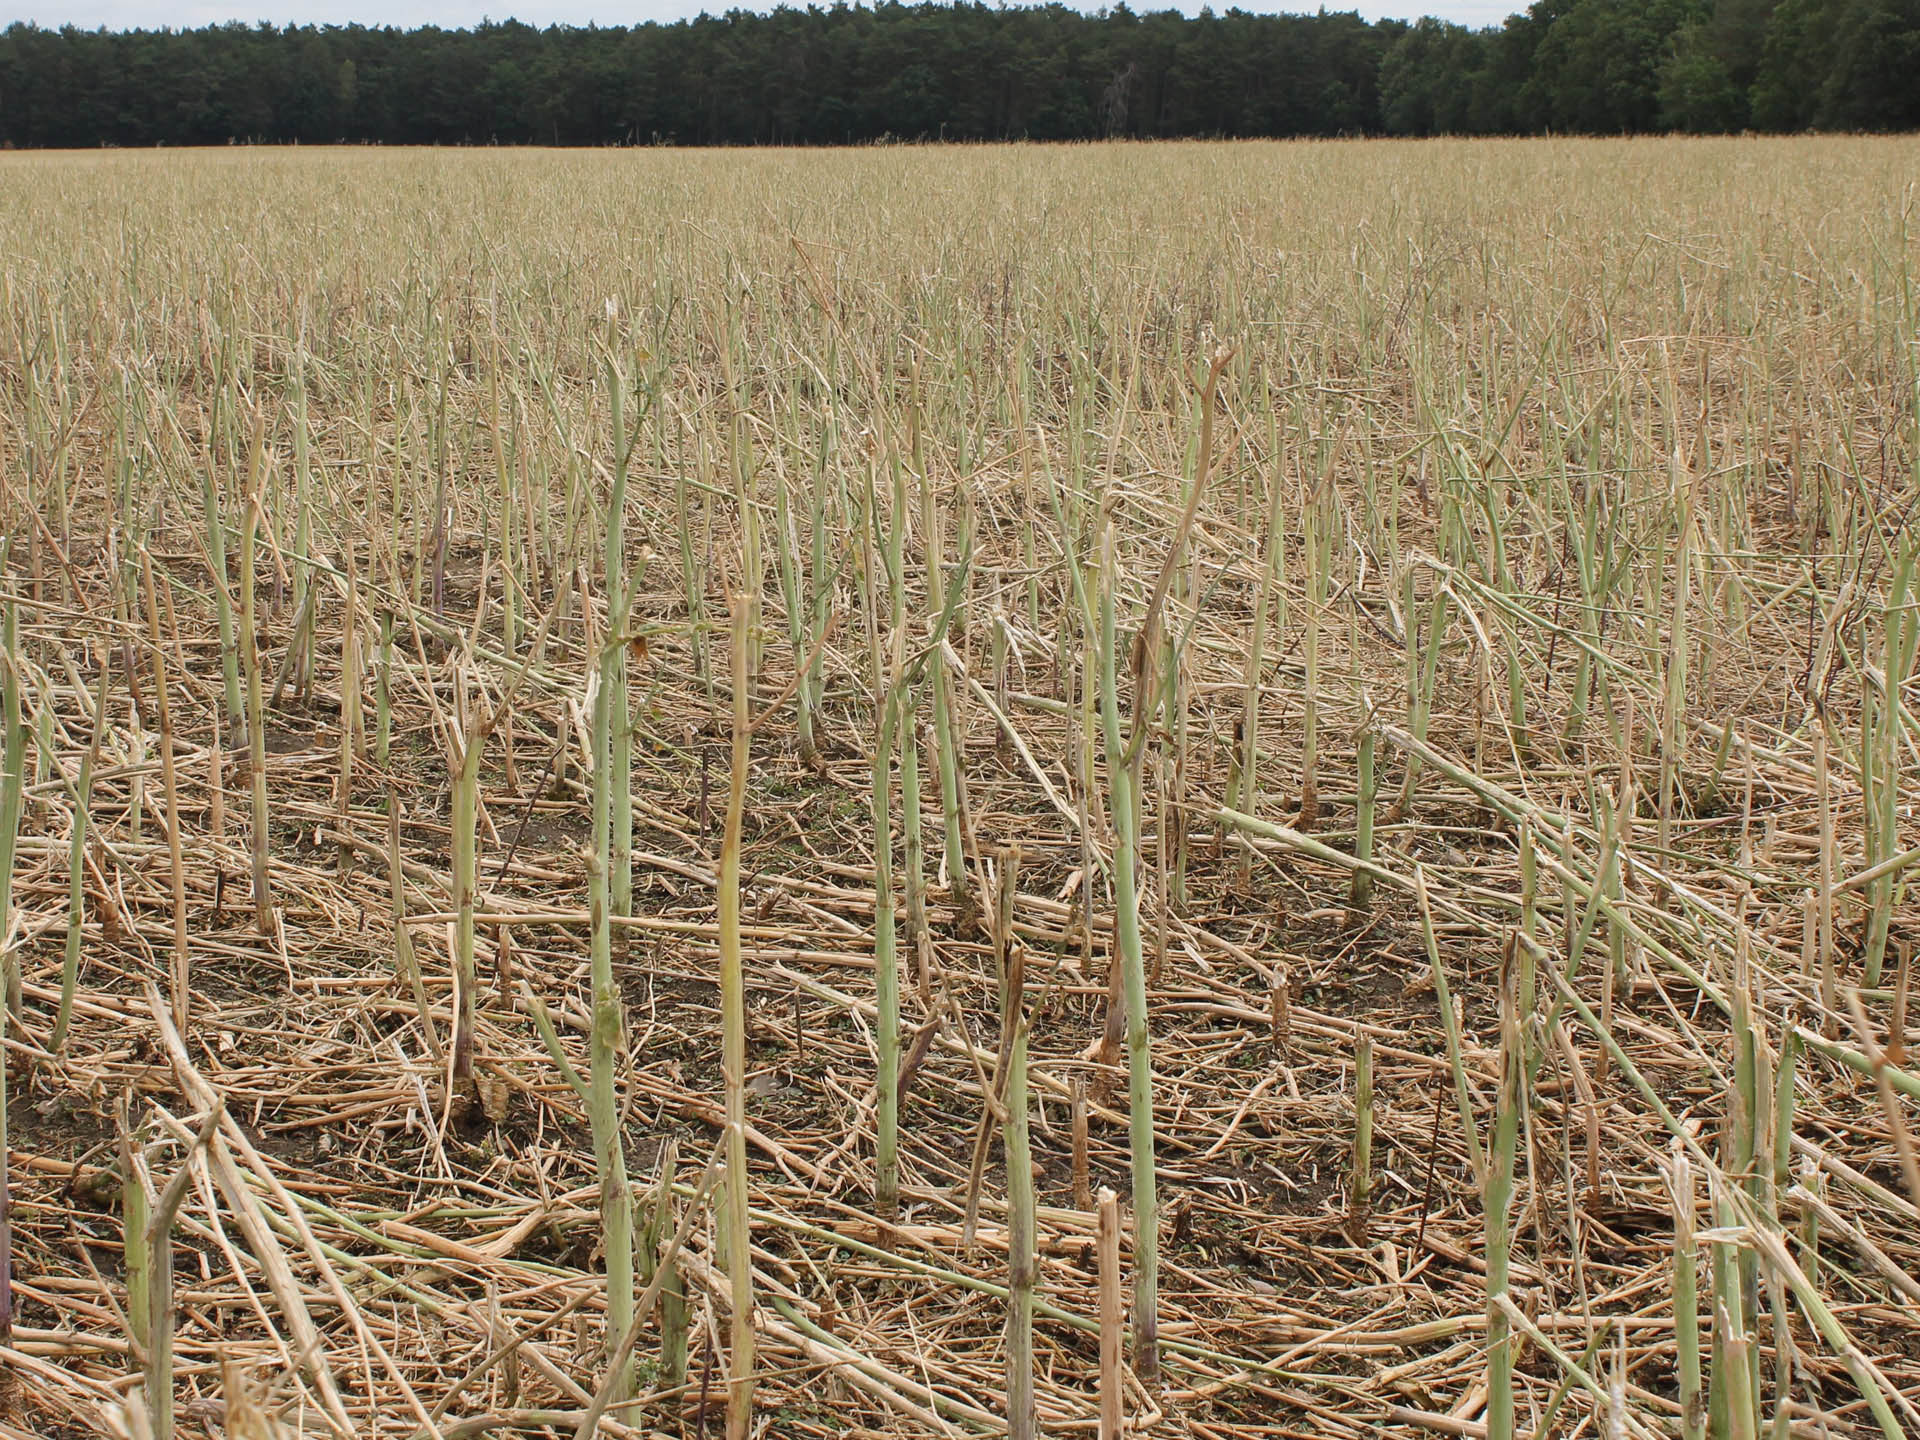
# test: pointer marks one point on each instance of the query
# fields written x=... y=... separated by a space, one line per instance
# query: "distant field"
x=1429 y=628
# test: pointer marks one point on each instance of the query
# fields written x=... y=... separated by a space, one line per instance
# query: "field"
x=633 y=780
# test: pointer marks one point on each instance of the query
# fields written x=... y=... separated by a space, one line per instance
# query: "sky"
x=186 y=14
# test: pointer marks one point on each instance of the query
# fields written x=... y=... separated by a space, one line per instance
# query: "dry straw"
x=1333 y=796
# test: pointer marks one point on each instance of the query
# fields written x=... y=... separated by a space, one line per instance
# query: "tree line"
x=967 y=71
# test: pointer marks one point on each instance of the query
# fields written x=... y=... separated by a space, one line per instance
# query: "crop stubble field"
x=405 y=551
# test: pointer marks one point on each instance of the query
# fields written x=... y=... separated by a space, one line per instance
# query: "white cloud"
x=408 y=14
x=187 y=14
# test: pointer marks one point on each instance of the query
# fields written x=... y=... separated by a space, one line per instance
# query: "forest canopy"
x=853 y=74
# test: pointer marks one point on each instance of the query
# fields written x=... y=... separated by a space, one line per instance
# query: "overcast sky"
x=179 y=14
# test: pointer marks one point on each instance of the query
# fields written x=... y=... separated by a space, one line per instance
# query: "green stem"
x=1686 y=1299
x=738 y=1235
x=1497 y=1204
x=605 y=1035
x=1360 y=1200
x=1123 y=780
x=886 y=969
x=1022 y=1418
x=256 y=709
